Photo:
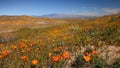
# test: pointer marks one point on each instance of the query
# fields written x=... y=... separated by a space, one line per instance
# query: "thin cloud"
x=111 y=10
x=102 y=11
x=92 y=11
x=89 y=14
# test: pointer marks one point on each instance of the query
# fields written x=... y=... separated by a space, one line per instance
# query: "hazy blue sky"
x=41 y=7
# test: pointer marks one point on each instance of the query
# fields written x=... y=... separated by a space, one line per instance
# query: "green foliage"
x=79 y=61
x=97 y=62
x=115 y=64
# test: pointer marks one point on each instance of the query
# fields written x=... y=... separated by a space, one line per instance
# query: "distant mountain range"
x=57 y=16
x=66 y=16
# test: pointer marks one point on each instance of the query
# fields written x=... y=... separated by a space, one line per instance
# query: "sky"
x=43 y=7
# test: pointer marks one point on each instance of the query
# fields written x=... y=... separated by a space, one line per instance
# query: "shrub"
x=7 y=37
x=79 y=62
x=116 y=64
x=97 y=62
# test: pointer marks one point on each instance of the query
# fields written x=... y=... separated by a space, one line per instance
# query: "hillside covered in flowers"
x=74 y=43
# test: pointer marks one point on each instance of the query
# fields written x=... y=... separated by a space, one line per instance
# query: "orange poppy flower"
x=60 y=47
x=5 y=53
x=56 y=58
x=86 y=58
x=31 y=44
x=22 y=46
x=34 y=62
x=55 y=31
x=81 y=29
x=66 y=55
x=94 y=52
x=23 y=51
x=24 y=58
x=86 y=53
x=28 y=49
x=49 y=54
x=14 y=47
x=56 y=50
x=1 y=57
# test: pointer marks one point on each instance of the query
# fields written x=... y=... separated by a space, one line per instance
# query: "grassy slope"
x=37 y=43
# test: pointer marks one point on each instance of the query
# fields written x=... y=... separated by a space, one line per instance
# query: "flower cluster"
x=88 y=55
x=63 y=56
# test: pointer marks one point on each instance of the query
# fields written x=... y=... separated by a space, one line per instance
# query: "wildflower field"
x=89 y=43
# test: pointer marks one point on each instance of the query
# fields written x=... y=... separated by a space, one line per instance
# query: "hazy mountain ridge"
x=68 y=16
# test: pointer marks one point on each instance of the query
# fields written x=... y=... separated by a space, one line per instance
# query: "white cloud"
x=111 y=10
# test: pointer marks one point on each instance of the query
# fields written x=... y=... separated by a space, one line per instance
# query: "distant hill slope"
x=16 y=19
x=51 y=18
